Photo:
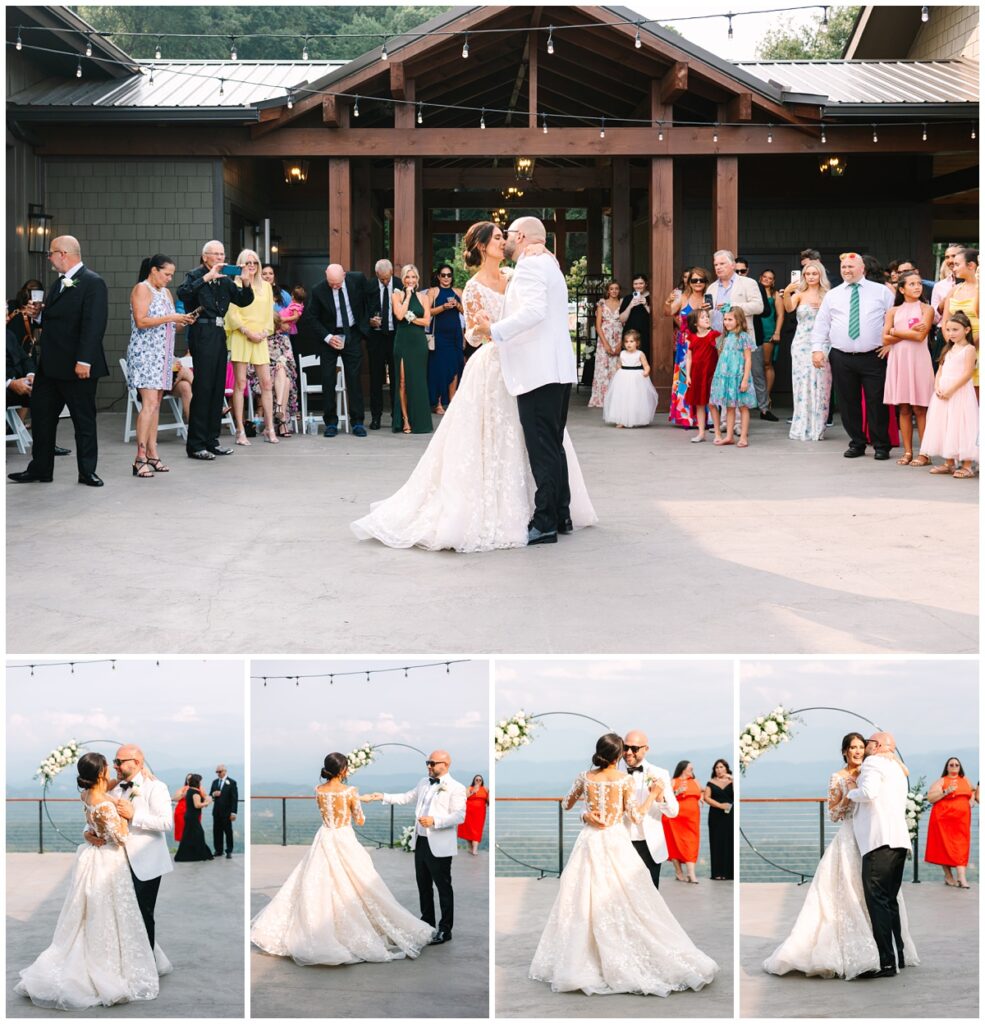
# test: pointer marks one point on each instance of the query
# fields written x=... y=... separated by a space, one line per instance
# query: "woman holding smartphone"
x=247 y=330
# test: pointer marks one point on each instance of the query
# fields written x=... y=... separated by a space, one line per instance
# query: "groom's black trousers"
x=543 y=415
x=434 y=873
x=222 y=827
x=651 y=865
x=882 y=876
x=146 y=891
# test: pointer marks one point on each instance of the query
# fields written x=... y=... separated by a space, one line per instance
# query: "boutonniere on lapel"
x=68 y=282
x=134 y=793
x=442 y=788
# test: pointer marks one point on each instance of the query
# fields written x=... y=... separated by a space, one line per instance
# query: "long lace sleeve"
x=837 y=803
x=356 y=808
x=473 y=305
x=630 y=806
x=108 y=824
x=575 y=793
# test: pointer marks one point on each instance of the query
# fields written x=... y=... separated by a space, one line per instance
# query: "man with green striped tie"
x=848 y=332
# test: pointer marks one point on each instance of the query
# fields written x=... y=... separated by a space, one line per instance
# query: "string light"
x=19 y=45
x=78 y=69
x=304 y=49
x=447 y=668
x=88 y=45
x=924 y=134
x=544 y=116
x=383 y=54
x=222 y=87
x=714 y=134
x=731 y=34
x=157 y=49
x=290 y=99
x=420 y=113
x=482 y=119
x=550 y=40
x=637 y=42
x=973 y=135
x=367 y=675
x=72 y=666
x=264 y=680
x=355 y=108
x=875 y=134
x=824 y=135
x=232 y=48
x=660 y=132
x=924 y=15
x=465 y=47
x=602 y=129
x=769 y=135
x=152 y=75
x=824 y=18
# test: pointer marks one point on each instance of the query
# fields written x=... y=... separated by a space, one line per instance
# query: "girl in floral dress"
x=730 y=386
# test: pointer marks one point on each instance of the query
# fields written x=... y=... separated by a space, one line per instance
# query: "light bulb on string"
x=264 y=680
x=714 y=134
x=355 y=108
x=769 y=135
x=973 y=135
x=405 y=672
x=875 y=134
x=72 y=666
x=222 y=87
x=465 y=47
x=637 y=42
x=367 y=675
x=290 y=99
x=660 y=132
x=304 y=49
x=824 y=18
x=19 y=46
x=731 y=34
x=602 y=129
x=545 y=123
x=157 y=49
x=152 y=76
x=420 y=113
x=78 y=69
x=447 y=668
x=824 y=136
x=550 y=40
x=482 y=119
x=232 y=48
x=331 y=680
x=383 y=54
x=88 y=45
x=924 y=15
x=923 y=135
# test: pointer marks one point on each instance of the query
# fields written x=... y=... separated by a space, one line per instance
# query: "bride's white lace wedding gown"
x=472 y=489
x=609 y=930
x=334 y=908
x=832 y=936
x=99 y=954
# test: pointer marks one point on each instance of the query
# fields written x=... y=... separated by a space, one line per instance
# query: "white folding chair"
x=133 y=407
x=16 y=431
x=342 y=398
x=309 y=424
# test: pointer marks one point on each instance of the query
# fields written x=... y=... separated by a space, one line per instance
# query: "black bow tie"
x=638 y=768
x=434 y=782
x=125 y=786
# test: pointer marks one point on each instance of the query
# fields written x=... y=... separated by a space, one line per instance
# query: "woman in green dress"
x=410 y=355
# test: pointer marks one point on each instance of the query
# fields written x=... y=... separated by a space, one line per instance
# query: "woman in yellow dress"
x=247 y=330
x=964 y=296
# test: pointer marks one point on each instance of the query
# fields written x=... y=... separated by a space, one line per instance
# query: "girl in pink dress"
x=909 y=369
x=952 y=419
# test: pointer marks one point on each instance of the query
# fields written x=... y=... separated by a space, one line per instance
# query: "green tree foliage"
x=292 y=23
x=811 y=42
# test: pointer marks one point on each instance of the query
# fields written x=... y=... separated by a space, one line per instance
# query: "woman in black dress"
x=719 y=795
x=193 y=845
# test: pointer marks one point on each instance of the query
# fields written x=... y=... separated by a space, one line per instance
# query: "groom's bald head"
x=637 y=739
x=131 y=759
x=522 y=232
x=881 y=743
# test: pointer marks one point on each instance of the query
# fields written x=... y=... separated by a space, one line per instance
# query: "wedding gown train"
x=610 y=930
x=99 y=954
x=334 y=908
x=832 y=936
x=472 y=489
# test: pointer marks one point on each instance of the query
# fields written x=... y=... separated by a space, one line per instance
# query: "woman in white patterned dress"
x=472 y=489
x=334 y=908
x=608 y=335
x=150 y=354
x=610 y=930
x=832 y=936
x=100 y=954
x=811 y=386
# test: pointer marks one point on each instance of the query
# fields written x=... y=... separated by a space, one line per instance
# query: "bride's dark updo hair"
x=335 y=764
x=608 y=750
x=476 y=236
x=90 y=767
x=847 y=742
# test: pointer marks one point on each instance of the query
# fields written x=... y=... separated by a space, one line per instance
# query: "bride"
x=832 y=936
x=334 y=908
x=100 y=954
x=610 y=930
x=472 y=489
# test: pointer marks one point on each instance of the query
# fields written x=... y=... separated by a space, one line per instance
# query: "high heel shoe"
x=142 y=469
x=242 y=439
x=270 y=437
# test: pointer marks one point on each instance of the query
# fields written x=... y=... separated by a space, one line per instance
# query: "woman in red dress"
x=476 y=801
x=179 y=810
x=949 y=832
x=684 y=832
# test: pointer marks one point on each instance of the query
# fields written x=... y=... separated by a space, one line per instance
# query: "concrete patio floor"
x=450 y=980
x=944 y=926
x=782 y=547
x=522 y=909
x=199 y=918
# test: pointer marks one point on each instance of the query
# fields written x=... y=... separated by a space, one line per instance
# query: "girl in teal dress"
x=730 y=387
x=412 y=414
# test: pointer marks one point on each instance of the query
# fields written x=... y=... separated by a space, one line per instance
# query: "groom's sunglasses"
x=117 y=761
x=633 y=750
x=431 y=764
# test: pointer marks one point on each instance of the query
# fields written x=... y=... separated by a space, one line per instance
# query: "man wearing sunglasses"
x=848 y=331
x=648 y=836
x=439 y=809
x=146 y=804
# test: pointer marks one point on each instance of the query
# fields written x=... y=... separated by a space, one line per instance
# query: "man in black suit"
x=379 y=343
x=339 y=313
x=72 y=359
x=20 y=376
x=207 y=287
x=225 y=803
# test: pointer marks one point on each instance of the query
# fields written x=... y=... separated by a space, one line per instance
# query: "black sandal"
x=139 y=467
x=156 y=464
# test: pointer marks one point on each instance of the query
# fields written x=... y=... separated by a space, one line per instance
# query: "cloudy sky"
x=294 y=727
x=186 y=715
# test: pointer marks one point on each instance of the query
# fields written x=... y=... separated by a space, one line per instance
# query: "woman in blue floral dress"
x=811 y=386
x=150 y=354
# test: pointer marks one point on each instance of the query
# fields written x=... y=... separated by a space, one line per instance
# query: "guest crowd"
x=897 y=354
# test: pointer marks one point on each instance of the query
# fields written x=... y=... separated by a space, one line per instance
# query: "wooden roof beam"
x=673 y=85
x=739 y=108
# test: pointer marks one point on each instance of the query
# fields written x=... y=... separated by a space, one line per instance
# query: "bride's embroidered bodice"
x=105 y=823
x=477 y=298
x=339 y=809
x=839 y=806
x=608 y=800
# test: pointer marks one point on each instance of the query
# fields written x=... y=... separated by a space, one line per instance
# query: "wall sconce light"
x=38 y=230
x=295 y=171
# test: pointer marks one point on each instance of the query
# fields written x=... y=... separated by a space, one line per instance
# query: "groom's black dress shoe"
x=883 y=972
x=565 y=526
x=229 y=856
x=440 y=937
x=62 y=451
x=24 y=477
x=90 y=480
x=535 y=536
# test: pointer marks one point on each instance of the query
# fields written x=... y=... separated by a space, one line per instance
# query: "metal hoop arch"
x=47 y=782
x=379 y=746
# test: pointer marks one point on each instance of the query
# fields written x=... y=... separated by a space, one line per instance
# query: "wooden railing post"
x=283 y=821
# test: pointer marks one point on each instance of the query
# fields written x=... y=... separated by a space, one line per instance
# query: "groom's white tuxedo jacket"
x=147 y=847
x=880 y=805
x=445 y=802
x=650 y=829
x=532 y=335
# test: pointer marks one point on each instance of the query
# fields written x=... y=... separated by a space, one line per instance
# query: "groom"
x=538 y=368
x=883 y=839
x=648 y=836
x=146 y=804
x=440 y=808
